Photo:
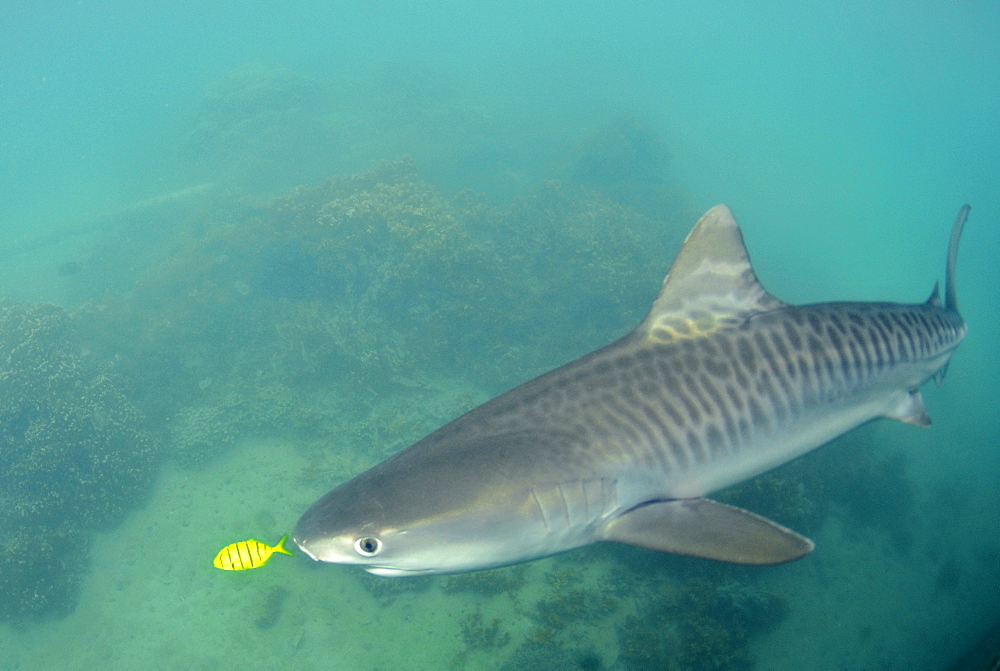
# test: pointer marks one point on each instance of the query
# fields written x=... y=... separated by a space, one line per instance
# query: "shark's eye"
x=367 y=546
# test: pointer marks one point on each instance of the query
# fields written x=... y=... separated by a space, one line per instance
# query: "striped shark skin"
x=719 y=383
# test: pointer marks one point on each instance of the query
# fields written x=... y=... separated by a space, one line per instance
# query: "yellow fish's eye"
x=368 y=546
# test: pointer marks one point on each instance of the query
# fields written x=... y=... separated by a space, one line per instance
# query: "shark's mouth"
x=306 y=550
x=391 y=572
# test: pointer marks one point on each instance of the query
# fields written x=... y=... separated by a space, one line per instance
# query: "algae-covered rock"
x=357 y=284
x=701 y=625
x=208 y=427
x=41 y=568
x=260 y=126
x=627 y=160
x=782 y=496
x=576 y=270
x=73 y=455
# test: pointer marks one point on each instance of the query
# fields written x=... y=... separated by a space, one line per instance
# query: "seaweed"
x=576 y=605
x=385 y=592
x=507 y=580
x=533 y=654
x=700 y=624
x=482 y=636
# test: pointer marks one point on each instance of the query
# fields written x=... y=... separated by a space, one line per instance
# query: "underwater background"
x=250 y=249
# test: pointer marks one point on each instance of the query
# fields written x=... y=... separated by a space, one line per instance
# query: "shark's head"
x=416 y=514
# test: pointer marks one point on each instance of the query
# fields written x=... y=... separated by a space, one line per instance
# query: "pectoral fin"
x=707 y=529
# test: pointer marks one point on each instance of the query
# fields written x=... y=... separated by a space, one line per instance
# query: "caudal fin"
x=950 y=301
x=280 y=547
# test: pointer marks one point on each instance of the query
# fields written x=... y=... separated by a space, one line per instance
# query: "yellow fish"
x=247 y=554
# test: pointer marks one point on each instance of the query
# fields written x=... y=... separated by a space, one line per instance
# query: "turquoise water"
x=252 y=250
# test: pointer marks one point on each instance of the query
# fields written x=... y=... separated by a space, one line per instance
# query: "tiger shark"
x=719 y=383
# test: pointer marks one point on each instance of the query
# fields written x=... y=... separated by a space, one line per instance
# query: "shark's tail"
x=950 y=302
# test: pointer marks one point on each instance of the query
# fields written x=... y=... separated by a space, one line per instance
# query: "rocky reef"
x=359 y=284
x=73 y=454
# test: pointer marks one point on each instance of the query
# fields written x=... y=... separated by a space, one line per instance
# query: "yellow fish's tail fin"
x=280 y=547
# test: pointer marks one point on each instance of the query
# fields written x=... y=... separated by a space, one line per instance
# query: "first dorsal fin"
x=710 y=284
